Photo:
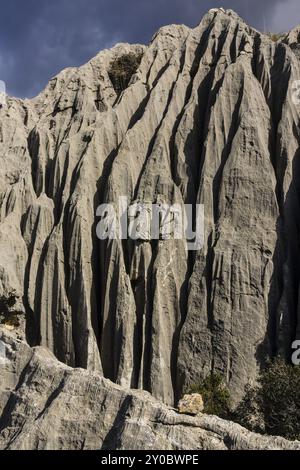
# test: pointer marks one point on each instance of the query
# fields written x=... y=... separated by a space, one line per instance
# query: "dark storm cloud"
x=38 y=38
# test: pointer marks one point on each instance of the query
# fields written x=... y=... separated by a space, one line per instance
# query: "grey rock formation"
x=49 y=406
x=209 y=117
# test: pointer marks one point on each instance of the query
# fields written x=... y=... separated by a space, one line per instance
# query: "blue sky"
x=38 y=38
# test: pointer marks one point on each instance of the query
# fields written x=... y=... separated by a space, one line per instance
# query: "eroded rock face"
x=209 y=117
x=47 y=405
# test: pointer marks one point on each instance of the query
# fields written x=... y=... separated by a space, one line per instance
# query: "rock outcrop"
x=47 y=405
x=191 y=404
x=209 y=117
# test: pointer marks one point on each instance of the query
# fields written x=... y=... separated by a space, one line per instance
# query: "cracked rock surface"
x=208 y=118
x=47 y=405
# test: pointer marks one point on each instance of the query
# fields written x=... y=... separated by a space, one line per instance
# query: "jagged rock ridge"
x=208 y=118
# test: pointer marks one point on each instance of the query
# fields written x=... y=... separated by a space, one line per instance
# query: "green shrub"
x=274 y=406
x=216 y=396
x=248 y=413
x=279 y=397
x=122 y=69
x=11 y=321
x=275 y=37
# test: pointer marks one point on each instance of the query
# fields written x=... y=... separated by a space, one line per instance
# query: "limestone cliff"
x=208 y=117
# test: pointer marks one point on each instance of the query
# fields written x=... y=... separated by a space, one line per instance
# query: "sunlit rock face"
x=209 y=116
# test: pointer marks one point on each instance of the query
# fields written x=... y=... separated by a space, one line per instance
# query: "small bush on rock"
x=275 y=37
x=122 y=69
x=273 y=406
